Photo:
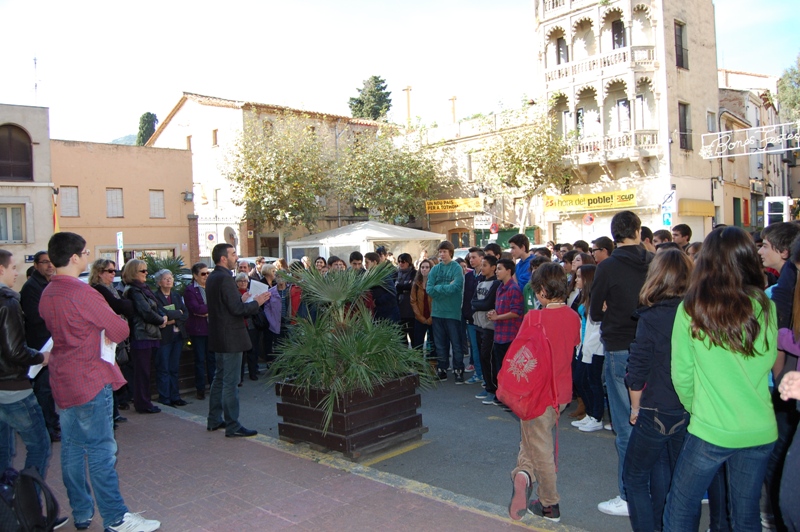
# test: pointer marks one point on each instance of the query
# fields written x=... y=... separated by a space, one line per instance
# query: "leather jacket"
x=146 y=320
x=15 y=355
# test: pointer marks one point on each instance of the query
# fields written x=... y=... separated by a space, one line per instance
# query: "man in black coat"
x=227 y=339
x=36 y=334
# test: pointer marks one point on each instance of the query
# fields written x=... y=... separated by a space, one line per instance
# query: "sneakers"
x=459 y=373
x=615 y=506
x=490 y=399
x=608 y=426
x=578 y=422
x=134 y=523
x=551 y=513
x=442 y=374
x=60 y=521
x=482 y=395
x=591 y=424
x=473 y=380
x=520 y=495
x=470 y=368
x=83 y=525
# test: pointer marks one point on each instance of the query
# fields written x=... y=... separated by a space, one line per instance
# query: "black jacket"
x=36 y=333
x=123 y=307
x=180 y=314
x=405 y=280
x=650 y=361
x=145 y=311
x=617 y=282
x=227 y=332
x=470 y=284
x=15 y=355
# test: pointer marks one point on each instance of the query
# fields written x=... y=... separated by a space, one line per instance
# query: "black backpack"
x=20 y=507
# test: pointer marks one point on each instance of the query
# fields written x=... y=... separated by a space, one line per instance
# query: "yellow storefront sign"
x=454 y=205
x=618 y=199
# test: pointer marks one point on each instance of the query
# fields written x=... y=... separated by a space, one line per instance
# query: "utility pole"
x=407 y=90
x=453 y=107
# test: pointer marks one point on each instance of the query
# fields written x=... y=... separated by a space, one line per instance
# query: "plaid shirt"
x=75 y=313
x=509 y=299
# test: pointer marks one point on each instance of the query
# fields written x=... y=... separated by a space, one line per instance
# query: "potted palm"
x=346 y=382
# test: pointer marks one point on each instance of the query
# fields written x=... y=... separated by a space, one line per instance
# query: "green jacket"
x=726 y=393
x=529 y=298
x=446 y=288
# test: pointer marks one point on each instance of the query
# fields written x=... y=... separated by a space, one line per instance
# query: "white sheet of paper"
x=33 y=371
x=108 y=349
x=256 y=289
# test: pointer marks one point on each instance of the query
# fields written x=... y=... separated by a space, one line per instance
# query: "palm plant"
x=174 y=265
x=344 y=350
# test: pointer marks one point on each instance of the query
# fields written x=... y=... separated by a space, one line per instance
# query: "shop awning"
x=695 y=207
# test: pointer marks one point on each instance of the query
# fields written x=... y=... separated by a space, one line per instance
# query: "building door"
x=737 y=212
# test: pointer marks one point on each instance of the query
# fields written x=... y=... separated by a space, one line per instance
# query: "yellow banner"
x=453 y=205
x=619 y=199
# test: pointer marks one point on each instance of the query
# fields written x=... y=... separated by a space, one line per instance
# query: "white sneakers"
x=591 y=424
x=588 y=424
x=615 y=506
x=135 y=523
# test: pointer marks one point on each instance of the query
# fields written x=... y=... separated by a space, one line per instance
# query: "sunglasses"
x=203 y=274
x=110 y=271
x=142 y=271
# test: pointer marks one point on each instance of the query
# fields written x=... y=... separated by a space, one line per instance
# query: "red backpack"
x=527 y=380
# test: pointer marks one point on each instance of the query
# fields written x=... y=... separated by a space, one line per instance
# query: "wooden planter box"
x=362 y=424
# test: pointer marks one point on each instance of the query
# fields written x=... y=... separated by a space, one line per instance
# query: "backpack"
x=527 y=381
x=20 y=508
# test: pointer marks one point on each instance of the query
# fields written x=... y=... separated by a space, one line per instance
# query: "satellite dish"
x=230 y=236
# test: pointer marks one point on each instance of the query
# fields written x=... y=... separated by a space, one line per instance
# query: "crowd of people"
x=693 y=347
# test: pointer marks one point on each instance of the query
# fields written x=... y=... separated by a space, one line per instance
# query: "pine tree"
x=373 y=101
x=147 y=126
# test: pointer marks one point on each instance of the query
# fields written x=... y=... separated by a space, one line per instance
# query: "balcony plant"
x=342 y=354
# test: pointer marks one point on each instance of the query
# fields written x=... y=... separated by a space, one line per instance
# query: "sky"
x=101 y=64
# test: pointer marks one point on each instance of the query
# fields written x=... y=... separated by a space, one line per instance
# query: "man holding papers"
x=83 y=384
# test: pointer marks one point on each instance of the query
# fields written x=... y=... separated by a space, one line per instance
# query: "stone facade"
x=208 y=127
x=26 y=188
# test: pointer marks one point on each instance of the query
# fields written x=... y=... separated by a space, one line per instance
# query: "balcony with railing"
x=553 y=8
x=633 y=57
x=623 y=146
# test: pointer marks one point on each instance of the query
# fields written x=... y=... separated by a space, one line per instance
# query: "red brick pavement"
x=190 y=479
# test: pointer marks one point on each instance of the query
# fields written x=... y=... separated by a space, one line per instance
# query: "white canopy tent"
x=365 y=237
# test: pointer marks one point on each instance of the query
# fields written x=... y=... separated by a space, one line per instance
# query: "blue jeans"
x=593 y=385
x=87 y=433
x=447 y=332
x=24 y=416
x=168 y=358
x=697 y=465
x=652 y=453
x=790 y=485
x=619 y=402
x=204 y=365
x=475 y=352
x=224 y=397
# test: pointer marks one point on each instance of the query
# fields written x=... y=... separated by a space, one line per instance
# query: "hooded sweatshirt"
x=617 y=282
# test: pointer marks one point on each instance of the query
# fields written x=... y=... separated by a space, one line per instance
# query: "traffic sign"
x=482 y=221
x=666 y=219
x=494 y=228
x=120 y=246
x=588 y=219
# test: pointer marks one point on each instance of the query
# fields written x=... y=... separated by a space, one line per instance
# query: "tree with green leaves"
x=373 y=100
x=147 y=126
x=280 y=168
x=526 y=157
x=789 y=92
x=392 y=178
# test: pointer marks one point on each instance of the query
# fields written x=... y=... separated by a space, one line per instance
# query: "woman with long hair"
x=146 y=324
x=421 y=305
x=589 y=368
x=406 y=273
x=724 y=344
x=659 y=418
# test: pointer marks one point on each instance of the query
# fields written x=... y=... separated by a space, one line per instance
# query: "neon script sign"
x=752 y=141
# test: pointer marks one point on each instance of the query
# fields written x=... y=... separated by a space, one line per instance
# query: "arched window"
x=16 y=154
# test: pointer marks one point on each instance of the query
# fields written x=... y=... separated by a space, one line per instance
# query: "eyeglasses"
x=597 y=249
x=110 y=271
x=45 y=262
x=86 y=252
x=142 y=271
x=203 y=274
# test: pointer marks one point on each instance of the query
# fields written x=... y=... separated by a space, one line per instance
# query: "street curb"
x=462 y=502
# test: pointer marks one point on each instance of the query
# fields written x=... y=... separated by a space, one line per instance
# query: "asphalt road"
x=471 y=448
